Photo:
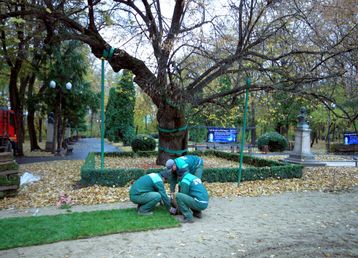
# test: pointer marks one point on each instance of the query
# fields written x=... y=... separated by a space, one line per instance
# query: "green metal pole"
x=248 y=83
x=102 y=116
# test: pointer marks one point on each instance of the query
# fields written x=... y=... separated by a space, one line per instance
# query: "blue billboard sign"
x=223 y=135
x=350 y=138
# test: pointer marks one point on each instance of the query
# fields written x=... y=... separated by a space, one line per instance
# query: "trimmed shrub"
x=143 y=143
x=274 y=141
x=121 y=177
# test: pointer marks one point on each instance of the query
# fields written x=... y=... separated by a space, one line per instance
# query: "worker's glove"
x=172 y=210
x=171 y=196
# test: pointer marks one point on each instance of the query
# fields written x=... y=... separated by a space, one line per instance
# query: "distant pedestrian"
x=192 y=197
x=149 y=190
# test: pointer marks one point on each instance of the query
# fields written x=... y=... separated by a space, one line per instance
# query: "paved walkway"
x=335 y=163
x=293 y=224
x=81 y=148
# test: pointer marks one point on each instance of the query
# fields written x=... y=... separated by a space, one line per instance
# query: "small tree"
x=120 y=111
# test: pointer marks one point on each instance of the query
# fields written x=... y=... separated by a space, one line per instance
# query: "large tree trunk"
x=173 y=143
x=32 y=130
x=16 y=105
x=31 y=115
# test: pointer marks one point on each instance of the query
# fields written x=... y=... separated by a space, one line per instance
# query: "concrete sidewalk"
x=341 y=163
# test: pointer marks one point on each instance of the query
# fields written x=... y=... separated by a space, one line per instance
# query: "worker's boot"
x=197 y=214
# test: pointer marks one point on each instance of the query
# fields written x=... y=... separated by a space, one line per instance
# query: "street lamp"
x=328 y=147
x=58 y=110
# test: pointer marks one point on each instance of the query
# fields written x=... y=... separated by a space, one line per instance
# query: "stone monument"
x=49 y=134
x=301 y=153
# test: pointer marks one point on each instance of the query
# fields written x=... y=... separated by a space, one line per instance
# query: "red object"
x=8 y=125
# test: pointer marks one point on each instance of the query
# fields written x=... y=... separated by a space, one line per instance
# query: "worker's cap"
x=169 y=165
x=165 y=174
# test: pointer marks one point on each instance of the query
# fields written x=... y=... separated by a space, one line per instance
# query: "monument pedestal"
x=301 y=153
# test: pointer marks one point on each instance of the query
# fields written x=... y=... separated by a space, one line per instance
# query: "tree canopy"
x=178 y=52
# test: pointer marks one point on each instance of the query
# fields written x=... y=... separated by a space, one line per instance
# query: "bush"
x=274 y=141
x=90 y=174
x=143 y=143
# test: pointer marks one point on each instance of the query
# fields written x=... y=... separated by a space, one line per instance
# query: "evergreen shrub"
x=274 y=141
x=143 y=142
x=121 y=176
x=119 y=120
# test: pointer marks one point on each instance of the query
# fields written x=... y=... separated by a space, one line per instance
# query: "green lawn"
x=27 y=231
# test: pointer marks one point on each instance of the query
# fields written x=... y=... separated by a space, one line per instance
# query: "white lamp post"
x=58 y=108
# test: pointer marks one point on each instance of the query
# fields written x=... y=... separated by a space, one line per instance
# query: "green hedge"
x=90 y=174
x=250 y=160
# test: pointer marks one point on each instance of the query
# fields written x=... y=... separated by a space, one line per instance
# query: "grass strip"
x=27 y=231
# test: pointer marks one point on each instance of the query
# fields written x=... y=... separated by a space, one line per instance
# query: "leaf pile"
x=62 y=176
x=145 y=163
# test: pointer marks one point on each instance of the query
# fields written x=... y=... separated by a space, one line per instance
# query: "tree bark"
x=171 y=144
x=40 y=129
x=16 y=105
x=31 y=115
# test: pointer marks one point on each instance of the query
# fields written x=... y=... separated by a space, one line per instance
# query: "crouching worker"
x=191 y=163
x=192 y=197
x=148 y=190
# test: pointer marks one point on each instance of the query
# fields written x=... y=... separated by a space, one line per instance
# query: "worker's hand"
x=172 y=196
x=172 y=210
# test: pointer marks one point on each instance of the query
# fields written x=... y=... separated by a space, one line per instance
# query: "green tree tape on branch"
x=108 y=53
x=178 y=152
x=174 y=130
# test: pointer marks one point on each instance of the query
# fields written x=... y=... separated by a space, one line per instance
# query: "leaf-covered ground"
x=62 y=176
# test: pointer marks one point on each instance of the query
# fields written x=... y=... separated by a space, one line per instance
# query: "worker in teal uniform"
x=148 y=190
x=191 y=163
x=192 y=197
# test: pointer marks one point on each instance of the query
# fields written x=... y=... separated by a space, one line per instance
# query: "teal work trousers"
x=147 y=201
x=186 y=204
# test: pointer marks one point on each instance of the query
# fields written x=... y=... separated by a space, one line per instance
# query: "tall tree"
x=240 y=42
x=68 y=64
x=119 y=122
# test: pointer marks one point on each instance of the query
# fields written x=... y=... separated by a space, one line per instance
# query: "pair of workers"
x=191 y=198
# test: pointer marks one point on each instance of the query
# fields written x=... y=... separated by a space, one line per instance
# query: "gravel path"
x=300 y=224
